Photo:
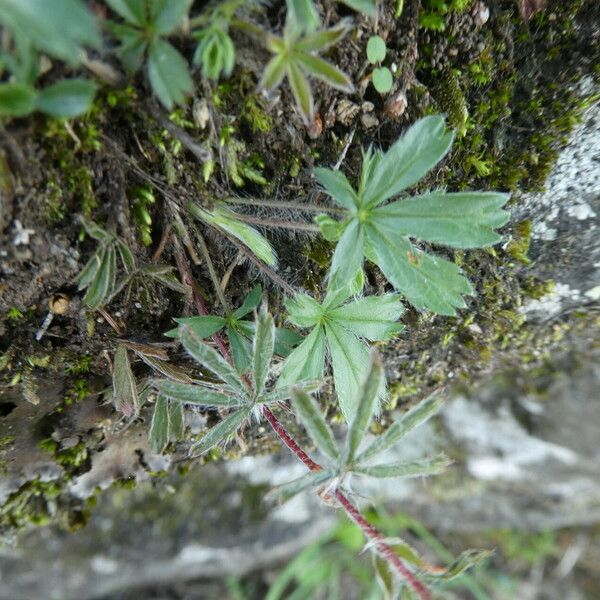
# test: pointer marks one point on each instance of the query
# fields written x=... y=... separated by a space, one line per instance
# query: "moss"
x=255 y=116
x=519 y=245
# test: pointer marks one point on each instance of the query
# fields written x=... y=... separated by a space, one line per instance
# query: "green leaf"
x=461 y=220
x=301 y=90
x=165 y=368
x=384 y=575
x=133 y=11
x=376 y=49
x=367 y=7
x=325 y=71
x=165 y=275
x=169 y=14
x=67 y=98
x=383 y=80
x=251 y=301
x=100 y=285
x=16 y=99
x=331 y=229
x=467 y=560
x=159 y=428
x=241 y=350
x=285 y=393
x=315 y=478
x=196 y=394
x=336 y=184
x=210 y=358
x=125 y=396
x=413 y=418
x=61 y=28
x=285 y=341
x=133 y=45
x=303 y=310
x=274 y=73
x=89 y=271
x=349 y=358
x=310 y=414
x=95 y=231
x=226 y=220
x=127 y=257
x=262 y=351
x=348 y=255
x=408 y=160
x=416 y=468
x=176 y=421
x=168 y=74
x=306 y=361
x=303 y=15
x=320 y=41
x=203 y=326
x=429 y=282
x=372 y=317
x=367 y=401
x=221 y=432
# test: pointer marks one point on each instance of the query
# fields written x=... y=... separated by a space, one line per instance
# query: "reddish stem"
x=384 y=550
x=289 y=441
x=369 y=530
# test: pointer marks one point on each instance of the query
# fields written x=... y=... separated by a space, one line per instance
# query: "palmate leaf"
x=382 y=233
x=303 y=15
x=262 y=351
x=339 y=328
x=296 y=57
x=167 y=424
x=67 y=98
x=428 y=281
x=61 y=28
x=189 y=393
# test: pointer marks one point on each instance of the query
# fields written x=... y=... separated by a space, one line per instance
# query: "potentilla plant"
x=262 y=367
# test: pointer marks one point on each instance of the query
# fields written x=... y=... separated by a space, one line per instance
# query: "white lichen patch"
x=499 y=446
x=552 y=303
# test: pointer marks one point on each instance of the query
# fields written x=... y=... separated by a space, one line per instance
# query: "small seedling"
x=296 y=58
x=381 y=77
x=146 y=24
